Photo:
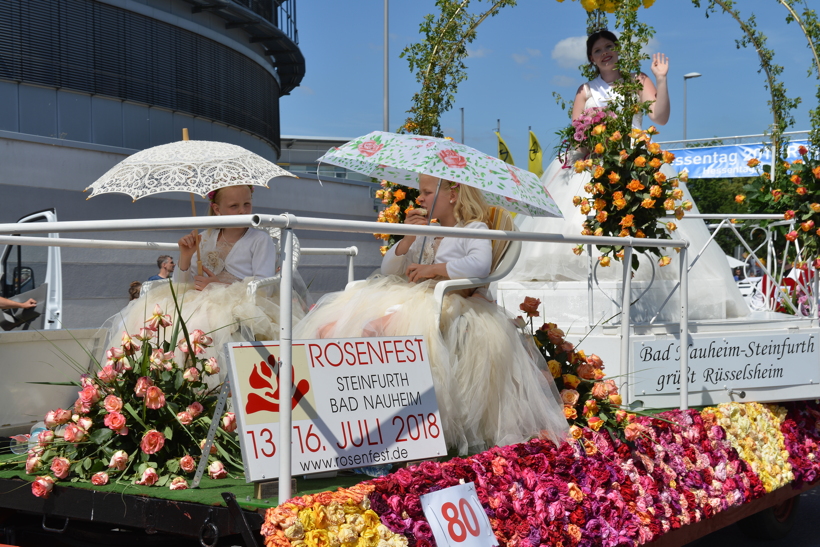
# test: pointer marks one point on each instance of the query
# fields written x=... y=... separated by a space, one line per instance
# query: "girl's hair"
x=597 y=35
x=470 y=205
x=212 y=198
x=134 y=290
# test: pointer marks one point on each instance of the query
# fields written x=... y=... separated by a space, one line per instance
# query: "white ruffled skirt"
x=489 y=378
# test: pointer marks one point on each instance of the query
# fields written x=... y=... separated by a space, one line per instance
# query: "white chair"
x=276 y=234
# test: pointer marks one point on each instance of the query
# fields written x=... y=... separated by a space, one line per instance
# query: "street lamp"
x=686 y=77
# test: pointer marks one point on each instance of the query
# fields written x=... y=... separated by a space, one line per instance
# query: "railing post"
x=350 y=271
x=684 y=329
x=285 y=364
x=625 y=304
x=590 y=291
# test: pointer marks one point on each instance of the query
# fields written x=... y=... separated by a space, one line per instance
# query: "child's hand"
x=187 y=244
x=417 y=217
x=202 y=281
x=419 y=272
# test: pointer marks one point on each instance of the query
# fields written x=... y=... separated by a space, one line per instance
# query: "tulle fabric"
x=489 y=379
x=224 y=312
x=717 y=294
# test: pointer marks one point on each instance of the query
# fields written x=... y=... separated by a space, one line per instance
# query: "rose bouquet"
x=143 y=417
x=627 y=189
x=399 y=200
x=589 y=400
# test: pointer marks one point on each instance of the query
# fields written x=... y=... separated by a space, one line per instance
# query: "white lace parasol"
x=186 y=166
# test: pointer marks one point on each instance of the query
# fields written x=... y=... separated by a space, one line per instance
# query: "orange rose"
x=598 y=129
x=570 y=413
x=576 y=432
x=655 y=191
x=585 y=208
x=599 y=148
x=654 y=148
x=601 y=216
x=599 y=204
x=668 y=157
x=579 y=166
x=571 y=381
x=679 y=213
x=555 y=368
x=599 y=188
x=578 y=250
x=576 y=200
x=664 y=261
x=615 y=399
x=754 y=162
x=603 y=261
x=687 y=205
x=613 y=177
x=669 y=204
x=595 y=423
x=640 y=161
x=801 y=190
x=740 y=198
x=639 y=234
x=795 y=179
x=788 y=215
x=624 y=156
x=627 y=221
x=619 y=203
x=777 y=194
x=620 y=255
x=616 y=136
x=816 y=172
x=530 y=306
x=659 y=177
x=677 y=193
x=599 y=231
x=791 y=236
x=671 y=226
x=655 y=163
x=815 y=207
x=635 y=186
x=806 y=226
x=622 y=233
x=590 y=408
x=599 y=172
x=399 y=195
x=648 y=203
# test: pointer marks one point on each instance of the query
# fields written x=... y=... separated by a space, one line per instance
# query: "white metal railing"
x=287 y=223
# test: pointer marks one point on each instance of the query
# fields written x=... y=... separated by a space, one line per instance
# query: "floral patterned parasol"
x=197 y=167
x=402 y=158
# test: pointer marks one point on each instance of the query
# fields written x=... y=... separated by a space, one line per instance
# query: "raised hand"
x=417 y=217
x=660 y=65
x=202 y=281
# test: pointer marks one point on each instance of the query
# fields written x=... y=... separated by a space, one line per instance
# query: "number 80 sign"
x=457 y=517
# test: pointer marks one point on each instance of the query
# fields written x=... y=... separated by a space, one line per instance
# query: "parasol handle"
x=193 y=213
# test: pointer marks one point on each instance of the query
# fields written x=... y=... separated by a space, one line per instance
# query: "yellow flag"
x=536 y=159
x=503 y=151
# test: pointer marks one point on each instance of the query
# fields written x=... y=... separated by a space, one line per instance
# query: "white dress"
x=222 y=310
x=488 y=377
x=717 y=296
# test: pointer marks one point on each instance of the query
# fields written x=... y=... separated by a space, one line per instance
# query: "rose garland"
x=138 y=417
x=627 y=189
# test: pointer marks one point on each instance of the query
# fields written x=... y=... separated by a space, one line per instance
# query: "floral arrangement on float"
x=673 y=469
x=399 y=200
x=796 y=190
x=589 y=400
x=143 y=418
x=629 y=193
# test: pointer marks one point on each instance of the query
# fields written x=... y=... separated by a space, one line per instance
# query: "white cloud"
x=653 y=46
x=534 y=52
x=520 y=58
x=306 y=90
x=570 y=52
x=478 y=53
x=561 y=80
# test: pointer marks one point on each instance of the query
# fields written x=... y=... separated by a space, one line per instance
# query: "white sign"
x=356 y=402
x=457 y=517
x=734 y=362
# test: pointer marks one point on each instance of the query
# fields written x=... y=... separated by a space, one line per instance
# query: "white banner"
x=356 y=402
x=727 y=362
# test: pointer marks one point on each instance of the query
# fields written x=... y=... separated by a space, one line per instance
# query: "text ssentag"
x=457 y=517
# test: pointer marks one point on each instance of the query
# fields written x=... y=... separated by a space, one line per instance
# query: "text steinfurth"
x=716 y=351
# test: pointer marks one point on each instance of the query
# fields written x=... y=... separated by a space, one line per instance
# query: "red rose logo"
x=369 y=148
x=453 y=159
x=264 y=376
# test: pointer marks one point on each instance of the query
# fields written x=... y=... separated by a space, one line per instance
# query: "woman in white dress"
x=217 y=301
x=552 y=262
x=488 y=377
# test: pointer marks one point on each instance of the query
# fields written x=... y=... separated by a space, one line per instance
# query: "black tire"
x=772 y=523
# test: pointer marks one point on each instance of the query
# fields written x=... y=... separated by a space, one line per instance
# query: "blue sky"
x=524 y=54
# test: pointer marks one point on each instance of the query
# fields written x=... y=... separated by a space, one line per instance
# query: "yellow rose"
x=664 y=261
x=579 y=166
x=598 y=129
x=578 y=250
x=595 y=423
x=570 y=413
x=671 y=226
x=669 y=204
x=599 y=148
x=616 y=136
x=677 y=193
x=576 y=200
x=555 y=368
x=683 y=176
x=571 y=381
x=603 y=261
x=599 y=172
x=585 y=208
x=615 y=399
x=576 y=432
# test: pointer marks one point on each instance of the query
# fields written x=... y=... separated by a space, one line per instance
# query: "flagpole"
x=386 y=71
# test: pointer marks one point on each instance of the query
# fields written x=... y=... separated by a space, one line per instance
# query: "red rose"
x=453 y=159
x=368 y=148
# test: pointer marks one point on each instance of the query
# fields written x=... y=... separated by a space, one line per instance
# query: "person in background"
x=166 y=268
x=134 y=290
x=6 y=304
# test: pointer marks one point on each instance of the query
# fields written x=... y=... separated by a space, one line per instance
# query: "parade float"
x=628 y=474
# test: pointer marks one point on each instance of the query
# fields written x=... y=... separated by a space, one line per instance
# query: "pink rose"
x=107 y=374
x=85 y=423
x=149 y=477
x=60 y=467
x=212 y=366
x=586 y=371
x=191 y=375
x=81 y=407
x=57 y=417
x=85 y=380
x=213 y=446
x=152 y=442
x=633 y=431
x=154 y=398
x=89 y=395
x=179 y=483
x=142 y=386
x=45 y=437
x=115 y=421
x=112 y=403
x=129 y=347
x=195 y=409
x=160 y=359
x=33 y=463
x=184 y=418
x=595 y=361
x=119 y=460
x=158 y=319
x=569 y=396
x=73 y=433
x=452 y=159
x=369 y=148
x=50 y=420
x=217 y=471
x=99 y=479
x=600 y=391
x=42 y=486
x=187 y=463
x=229 y=422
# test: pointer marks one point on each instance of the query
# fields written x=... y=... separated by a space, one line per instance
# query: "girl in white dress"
x=554 y=262
x=488 y=377
x=217 y=301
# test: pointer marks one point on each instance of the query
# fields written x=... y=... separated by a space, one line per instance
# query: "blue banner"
x=712 y=162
